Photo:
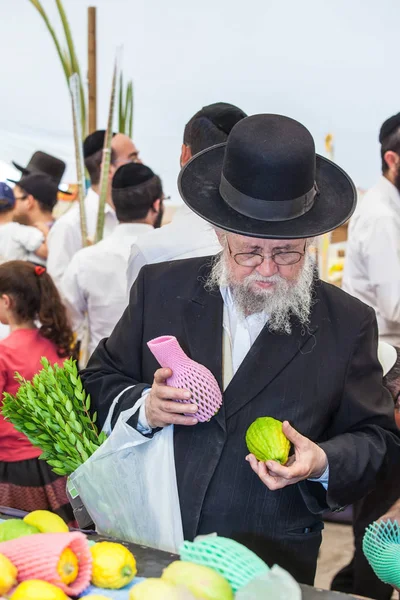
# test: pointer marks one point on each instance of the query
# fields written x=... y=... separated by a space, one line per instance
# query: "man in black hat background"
x=35 y=199
x=187 y=235
x=372 y=266
x=280 y=343
x=95 y=280
x=65 y=238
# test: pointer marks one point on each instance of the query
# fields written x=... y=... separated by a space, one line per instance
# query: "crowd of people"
x=237 y=285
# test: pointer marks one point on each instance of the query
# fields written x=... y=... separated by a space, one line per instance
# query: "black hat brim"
x=199 y=181
x=26 y=173
x=23 y=170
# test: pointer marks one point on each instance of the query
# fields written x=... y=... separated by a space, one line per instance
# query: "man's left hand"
x=309 y=461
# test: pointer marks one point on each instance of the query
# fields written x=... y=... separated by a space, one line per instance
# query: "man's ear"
x=7 y=301
x=392 y=160
x=111 y=172
x=186 y=154
x=156 y=205
x=221 y=235
x=30 y=201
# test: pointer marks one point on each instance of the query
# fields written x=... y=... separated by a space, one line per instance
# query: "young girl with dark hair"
x=31 y=306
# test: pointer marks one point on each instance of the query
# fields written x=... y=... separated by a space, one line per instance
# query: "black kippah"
x=131 y=175
x=389 y=126
x=223 y=115
x=94 y=142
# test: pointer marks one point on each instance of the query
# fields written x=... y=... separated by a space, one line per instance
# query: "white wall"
x=332 y=64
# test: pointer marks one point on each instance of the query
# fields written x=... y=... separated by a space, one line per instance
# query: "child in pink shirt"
x=28 y=296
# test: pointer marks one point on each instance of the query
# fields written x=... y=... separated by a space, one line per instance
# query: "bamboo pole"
x=105 y=168
x=92 y=69
x=74 y=83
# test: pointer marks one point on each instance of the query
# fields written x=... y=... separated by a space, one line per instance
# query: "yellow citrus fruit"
x=46 y=522
x=34 y=589
x=113 y=565
x=68 y=567
x=8 y=575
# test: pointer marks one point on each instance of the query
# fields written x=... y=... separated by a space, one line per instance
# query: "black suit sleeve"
x=363 y=435
x=116 y=362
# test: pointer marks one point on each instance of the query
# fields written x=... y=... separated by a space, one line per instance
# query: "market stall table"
x=151 y=562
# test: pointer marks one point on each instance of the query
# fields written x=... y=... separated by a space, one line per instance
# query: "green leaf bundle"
x=52 y=410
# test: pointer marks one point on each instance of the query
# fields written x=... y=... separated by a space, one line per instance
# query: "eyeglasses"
x=20 y=197
x=280 y=257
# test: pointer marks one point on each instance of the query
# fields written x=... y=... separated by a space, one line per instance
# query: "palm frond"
x=57 y=44
x=73 y=60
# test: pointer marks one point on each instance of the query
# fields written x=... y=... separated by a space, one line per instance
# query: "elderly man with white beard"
x=279 y=342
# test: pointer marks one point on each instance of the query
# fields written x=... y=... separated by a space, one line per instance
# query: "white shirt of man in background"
x=65 y=237
x=372 y=267
x=188 y=236
x=95 y=280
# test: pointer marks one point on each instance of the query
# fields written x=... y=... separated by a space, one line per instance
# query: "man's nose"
x=268 y=267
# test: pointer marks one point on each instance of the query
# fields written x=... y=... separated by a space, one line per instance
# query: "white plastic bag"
x=275 y=583
x=129 y=488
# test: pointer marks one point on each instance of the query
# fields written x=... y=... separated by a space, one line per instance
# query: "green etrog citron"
x=265 y=439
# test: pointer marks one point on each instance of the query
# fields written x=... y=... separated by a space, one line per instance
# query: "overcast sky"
x=332 y=64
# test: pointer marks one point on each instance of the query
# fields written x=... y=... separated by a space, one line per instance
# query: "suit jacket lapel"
x=267 y=357
x=202 y=317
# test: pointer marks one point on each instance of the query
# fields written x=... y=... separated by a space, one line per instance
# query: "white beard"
x=285 y=299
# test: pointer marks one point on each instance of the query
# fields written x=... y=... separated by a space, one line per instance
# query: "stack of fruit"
x=41 y=560
x=46 y=562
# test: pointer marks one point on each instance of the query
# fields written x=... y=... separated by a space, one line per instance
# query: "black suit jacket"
x=325 y=380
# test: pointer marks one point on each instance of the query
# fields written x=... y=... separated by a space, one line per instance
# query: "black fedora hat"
x=266 y=181
x=45 y=164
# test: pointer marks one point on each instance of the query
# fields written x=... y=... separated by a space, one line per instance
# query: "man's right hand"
x=161 y=410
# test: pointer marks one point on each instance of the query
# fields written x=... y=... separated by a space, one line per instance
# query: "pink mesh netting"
x=188 y=374
x=36 y=557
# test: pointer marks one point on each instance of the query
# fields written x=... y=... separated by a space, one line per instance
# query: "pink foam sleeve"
x=188 y=374
x=36 y=557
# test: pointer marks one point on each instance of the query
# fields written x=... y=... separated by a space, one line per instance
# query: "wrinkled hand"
x=308 y=462
x=161 y=410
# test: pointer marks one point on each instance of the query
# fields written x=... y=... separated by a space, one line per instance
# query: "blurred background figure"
x=18 y=242
x=65 y=238
x=95 y=280
x=372 y=266
x=188 y=235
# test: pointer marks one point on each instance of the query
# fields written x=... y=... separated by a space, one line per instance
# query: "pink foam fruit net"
x=36 y=556
x=188 y=374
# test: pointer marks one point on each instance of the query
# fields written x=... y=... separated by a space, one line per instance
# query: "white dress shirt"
x=19 y=242
x=187 y=236
x=372 y=266
x=95 y=282
x=65 y=239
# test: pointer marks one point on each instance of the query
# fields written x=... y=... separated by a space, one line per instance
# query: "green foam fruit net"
x=381 y=546
x=229 y=558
